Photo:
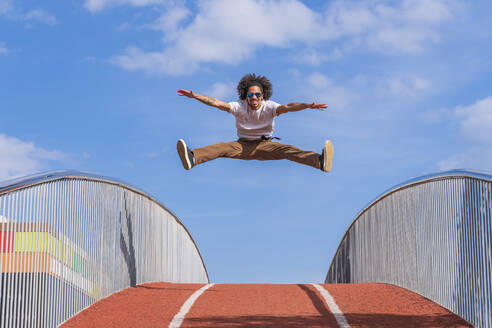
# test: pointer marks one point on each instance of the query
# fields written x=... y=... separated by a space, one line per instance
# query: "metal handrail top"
x=53 y=175
x=47 y=176
x=456 y=173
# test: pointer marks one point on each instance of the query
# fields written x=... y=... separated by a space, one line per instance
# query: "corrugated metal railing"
x=432 y=235
x=68 y=239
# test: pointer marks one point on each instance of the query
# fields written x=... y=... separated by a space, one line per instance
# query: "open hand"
x=318 y=106
x=186 y=93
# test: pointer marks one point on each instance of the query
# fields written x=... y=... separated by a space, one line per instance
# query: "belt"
x=263 y=138
x=269 y=138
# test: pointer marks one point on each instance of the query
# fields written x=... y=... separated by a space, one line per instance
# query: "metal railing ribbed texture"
x=431 y=235
x=68 y=239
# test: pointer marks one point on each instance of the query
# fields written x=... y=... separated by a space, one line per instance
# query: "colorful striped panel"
x=32 y=241
x=76 y=279
x=24 y=262
x=27 y=242
x=7 y=241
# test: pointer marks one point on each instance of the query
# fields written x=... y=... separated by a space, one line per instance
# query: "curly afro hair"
x=250 y=80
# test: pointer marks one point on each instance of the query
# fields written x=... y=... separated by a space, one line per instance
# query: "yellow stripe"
x=31 y=241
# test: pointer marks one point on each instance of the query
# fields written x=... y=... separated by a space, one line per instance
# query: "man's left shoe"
x=185 y=154
x=326 y=157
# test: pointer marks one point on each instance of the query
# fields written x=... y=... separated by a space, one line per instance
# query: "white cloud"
x=311 y=57
x=22 y=158
x=314 y=58
x=123 y=26
x=323 y=90
x=476 y=120
x=425 y=11
x=406 y=27
x=408 y=86
x=359 y=80
x=154 y=62
x=222 y=91
x=410 y=39
x=421 y=83
x=36 y=15
x=319 y=81
x=98 y=5
x=455 y=162
x=475 y=132
x=40 y=16
x=349 y=18
x=478 y=158
x=152 y=155
x=5 y=6
x=294 y=72
x=217 y=33
x=171 y=19
x=435 y=116
x=3 y=48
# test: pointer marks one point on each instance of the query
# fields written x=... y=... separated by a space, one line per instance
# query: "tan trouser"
x=262 y=150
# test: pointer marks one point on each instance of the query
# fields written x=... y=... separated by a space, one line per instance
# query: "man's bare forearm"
x=296 y=106
x=292 y=107
x=211 y=101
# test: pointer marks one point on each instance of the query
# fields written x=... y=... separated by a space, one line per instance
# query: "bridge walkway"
x=264 y=305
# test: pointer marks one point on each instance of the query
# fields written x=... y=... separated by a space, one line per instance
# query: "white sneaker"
x=326 y=157
x=185 y=154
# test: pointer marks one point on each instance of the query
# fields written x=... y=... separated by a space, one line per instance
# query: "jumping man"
x=255 y=115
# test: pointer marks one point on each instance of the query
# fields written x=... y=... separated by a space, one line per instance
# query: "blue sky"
x=91 y=85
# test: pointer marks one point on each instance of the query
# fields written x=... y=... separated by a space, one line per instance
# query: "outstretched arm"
x=206 y=100
x=295 y=107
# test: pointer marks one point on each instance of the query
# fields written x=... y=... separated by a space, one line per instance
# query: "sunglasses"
x=257 y=94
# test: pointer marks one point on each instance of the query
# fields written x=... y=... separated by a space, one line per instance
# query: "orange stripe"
x=25 y=262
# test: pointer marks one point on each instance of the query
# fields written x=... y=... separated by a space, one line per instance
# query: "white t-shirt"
x=252 y=124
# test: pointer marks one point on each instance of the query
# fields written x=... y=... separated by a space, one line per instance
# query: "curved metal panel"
x=68 y=239
x=432 y=235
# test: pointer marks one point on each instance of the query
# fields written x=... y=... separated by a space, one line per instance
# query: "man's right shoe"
x=326 y=157
x=185 y=154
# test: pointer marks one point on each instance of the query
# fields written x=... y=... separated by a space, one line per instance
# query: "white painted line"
x=179 y=317
x=341 y=320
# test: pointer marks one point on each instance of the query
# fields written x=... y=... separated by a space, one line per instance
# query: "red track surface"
x=364 y=305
